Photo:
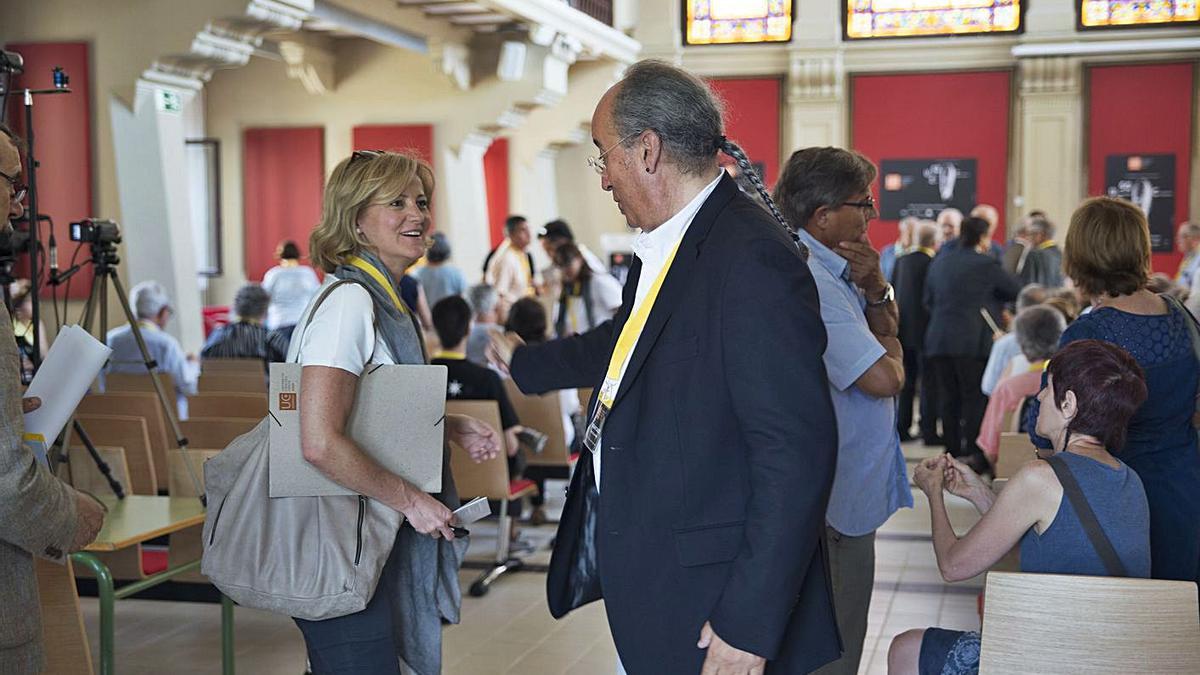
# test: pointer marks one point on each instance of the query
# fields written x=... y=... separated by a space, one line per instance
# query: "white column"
x=462 y=183
x=152 y=183
x=1049 y=134
x=816 y=111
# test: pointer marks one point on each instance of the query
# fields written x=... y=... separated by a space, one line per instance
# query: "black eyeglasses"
x=868 y=203
x=365 y=154
x=19 y=189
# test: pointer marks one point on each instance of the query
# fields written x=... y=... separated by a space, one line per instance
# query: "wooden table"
x=131 y=521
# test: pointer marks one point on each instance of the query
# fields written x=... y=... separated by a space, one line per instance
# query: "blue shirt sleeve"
x=851 y=348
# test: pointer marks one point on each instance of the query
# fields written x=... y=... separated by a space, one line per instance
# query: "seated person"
x=1005 y=349
x=247 y=338
x=1037 y=330
x=153 y=310
x=1092 y=392
x=483 y=300
x=467 y=381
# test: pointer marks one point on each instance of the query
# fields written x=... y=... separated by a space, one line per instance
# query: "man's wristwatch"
x=889 y=295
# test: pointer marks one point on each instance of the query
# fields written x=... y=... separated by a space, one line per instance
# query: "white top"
x=508 y=272
x=606 y=300
x=291 y=288
x=653 y=248
x=342 y=333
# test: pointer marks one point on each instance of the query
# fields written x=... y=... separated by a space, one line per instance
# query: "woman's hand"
x=479 y=440
x=428 y=516
x=962 y=481
x=930 y=475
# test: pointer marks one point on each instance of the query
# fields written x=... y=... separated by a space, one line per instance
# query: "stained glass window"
x=1117 y=13
x=906 y=18
x=712 y=22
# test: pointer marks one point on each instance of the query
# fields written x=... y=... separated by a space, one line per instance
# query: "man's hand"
x=30 y=404
x=725 y=659
x=500 y=350
x=88 y=521
x=478 y=439
x=865 y=270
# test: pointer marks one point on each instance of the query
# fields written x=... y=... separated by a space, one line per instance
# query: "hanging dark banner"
x=1149 y=182
x=924 y=188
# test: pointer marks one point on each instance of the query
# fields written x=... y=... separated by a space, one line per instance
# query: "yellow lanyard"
x=927 y=251
x=379 y=279
x=1039 y=366
x=630 y=333
x=1049 y=243
x=450 y=356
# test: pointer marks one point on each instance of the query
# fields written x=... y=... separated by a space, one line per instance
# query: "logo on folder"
x=288 y=400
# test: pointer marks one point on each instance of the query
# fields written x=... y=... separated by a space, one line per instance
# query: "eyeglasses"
x=868 y=203
x=365 y=154
x=597 y=163
x=19 y=189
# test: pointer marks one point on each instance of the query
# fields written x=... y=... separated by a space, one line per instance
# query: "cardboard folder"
x=398 y=419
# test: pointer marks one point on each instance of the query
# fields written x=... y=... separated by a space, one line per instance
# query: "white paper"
x=68 y=371
x=398 y=420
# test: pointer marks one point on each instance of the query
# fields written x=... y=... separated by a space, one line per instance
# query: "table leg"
x=104 y=589
x=226 y=635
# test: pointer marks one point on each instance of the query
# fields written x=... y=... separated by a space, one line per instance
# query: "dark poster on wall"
x=1149 y=182
x=925 y=187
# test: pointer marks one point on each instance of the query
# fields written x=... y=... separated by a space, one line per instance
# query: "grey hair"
x=1030 y=295
x=816 y=177
x=482 y=298
x=1193 y=229
x=251 y=301
x=687 y=116
x=1038 y=331
x=926 y=233
x=1041 y=226
x=148 y=299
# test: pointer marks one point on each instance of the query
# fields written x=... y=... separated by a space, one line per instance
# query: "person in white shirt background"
x=291 y=286
x=509 y=269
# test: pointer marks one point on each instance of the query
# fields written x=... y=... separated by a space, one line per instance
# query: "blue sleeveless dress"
x=1119 y=501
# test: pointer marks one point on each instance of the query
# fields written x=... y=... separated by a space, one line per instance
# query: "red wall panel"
x=63 y=142
x=414 y=138
x=936 y=115
x=1143 y=109
x=752 y=109
x=283 y=174
x=495 y=176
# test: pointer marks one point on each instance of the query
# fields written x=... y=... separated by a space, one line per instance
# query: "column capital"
x=1050 y=75
x=815 y=77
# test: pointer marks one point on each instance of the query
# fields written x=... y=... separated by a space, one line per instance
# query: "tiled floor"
x=510 y=630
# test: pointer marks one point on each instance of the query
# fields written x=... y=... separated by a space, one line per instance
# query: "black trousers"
x=918 y=381
x=962 y=401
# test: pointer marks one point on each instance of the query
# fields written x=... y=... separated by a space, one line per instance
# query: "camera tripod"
x=104 y=260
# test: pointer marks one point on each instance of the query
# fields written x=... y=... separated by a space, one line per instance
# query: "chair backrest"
x=215 y=432
x=543 y=413
x=228 y=405
x=1049 y=623
x=66 y=644
x=128 y=432
x=180 y=482
x=585 y=397
x=232 y=366
x=233 y=383
x=138 y=404
x=484 y=479
x=1015 y=450
x=86 y=476
x=137 y=382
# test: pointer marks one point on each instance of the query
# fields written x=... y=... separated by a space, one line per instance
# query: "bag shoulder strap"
x=1087 y=518
x=1192 y=324
x=313 y=311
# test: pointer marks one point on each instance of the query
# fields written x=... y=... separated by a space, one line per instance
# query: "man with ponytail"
x=827 y=191
x=697 y=511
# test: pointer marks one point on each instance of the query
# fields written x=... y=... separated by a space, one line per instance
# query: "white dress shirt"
x=653 y=248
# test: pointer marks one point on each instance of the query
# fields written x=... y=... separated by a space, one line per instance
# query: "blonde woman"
x=373 y=226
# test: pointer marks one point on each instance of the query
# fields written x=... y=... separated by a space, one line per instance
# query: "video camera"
x=96 y=231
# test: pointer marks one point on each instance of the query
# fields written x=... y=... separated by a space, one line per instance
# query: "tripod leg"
x=99 y=461
x=168 y=404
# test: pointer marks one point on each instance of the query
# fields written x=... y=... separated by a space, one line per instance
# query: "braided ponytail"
x=747 y=169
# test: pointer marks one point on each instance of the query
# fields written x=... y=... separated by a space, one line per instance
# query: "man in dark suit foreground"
x=698 y=511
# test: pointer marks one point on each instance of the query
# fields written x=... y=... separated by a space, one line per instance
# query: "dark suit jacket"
x=958 y=285
x=718 y=455
x=1043 y=266
x=909 y=281
x=994 y=249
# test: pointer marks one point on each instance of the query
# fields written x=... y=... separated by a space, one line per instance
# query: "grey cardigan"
x=37 y=517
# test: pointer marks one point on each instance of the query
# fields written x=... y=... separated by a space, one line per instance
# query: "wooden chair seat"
x=233 y=366
x=130 y=433
x=228 y=405
x=522 y=488
x=215 y=432
x=1015 y=451
x=137 y=382
x=232 y=383
x=543 y=413
x=144 y=404
x=1048 y=623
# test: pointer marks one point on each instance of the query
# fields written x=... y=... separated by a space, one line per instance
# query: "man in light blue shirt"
x=827 y=191
x=153 y=309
